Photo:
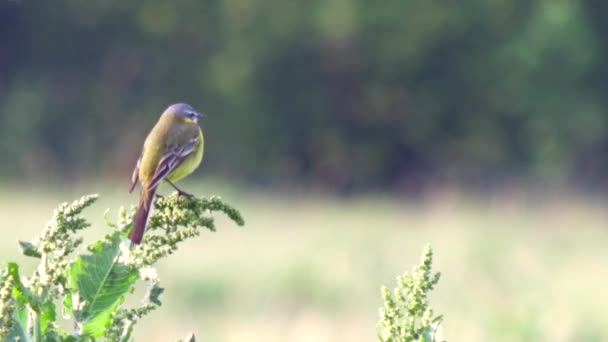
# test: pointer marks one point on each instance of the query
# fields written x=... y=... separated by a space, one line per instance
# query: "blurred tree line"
x=344 y=93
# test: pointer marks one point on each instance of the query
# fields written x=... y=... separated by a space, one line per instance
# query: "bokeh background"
x=350 y=133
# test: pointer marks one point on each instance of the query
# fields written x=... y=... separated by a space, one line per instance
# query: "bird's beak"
x=200 y=115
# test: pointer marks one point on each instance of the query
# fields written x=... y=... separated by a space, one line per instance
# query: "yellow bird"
x=172 y=151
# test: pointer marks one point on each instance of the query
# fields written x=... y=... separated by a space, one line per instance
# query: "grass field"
x=308 y=267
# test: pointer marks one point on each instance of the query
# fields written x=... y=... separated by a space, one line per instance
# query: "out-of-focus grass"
x=309 y=267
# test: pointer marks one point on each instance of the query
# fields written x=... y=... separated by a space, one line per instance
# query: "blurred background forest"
x=478 y=126
x=347 y=94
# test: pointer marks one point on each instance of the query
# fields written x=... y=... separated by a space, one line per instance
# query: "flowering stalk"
x=93 y=283
x=406 y=315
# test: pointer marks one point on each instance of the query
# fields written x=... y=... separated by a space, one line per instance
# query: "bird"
x=172 y=150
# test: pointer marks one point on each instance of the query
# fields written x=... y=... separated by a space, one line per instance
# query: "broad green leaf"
x=19 y=329
x=25 y=299
x=100 y=282
x=23 y=296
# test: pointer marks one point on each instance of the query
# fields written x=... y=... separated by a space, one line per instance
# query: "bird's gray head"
x=185 y=111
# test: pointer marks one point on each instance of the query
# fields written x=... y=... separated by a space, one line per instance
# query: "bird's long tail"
x=141 y=217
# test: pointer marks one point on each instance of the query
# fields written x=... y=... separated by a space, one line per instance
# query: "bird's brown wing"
x=135 y=175
x=173 y=157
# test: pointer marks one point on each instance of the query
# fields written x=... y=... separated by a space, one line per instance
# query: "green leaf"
x=25 y=302
x=23 y=297
x=18 y=331
x=27 y=248
x=47 y=316
x=100 y=282
x=153 y=294
x=70 y=338
x=21 y=293
x=107 y=219
x=67 y=305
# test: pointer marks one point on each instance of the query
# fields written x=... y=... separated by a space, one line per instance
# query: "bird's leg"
x=180 y=192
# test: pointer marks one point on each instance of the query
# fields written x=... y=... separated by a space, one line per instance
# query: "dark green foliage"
x=348 y=93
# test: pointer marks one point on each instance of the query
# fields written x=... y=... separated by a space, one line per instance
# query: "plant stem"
x=36 y=325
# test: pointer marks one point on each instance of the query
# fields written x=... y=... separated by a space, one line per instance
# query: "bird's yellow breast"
x=191 y=162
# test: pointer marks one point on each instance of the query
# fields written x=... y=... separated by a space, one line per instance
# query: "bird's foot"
x=181 y=193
